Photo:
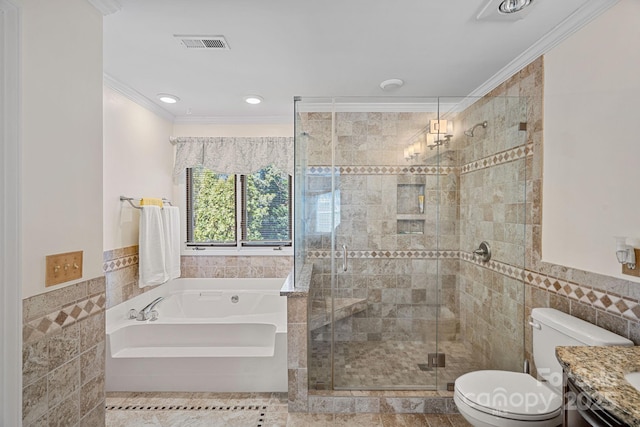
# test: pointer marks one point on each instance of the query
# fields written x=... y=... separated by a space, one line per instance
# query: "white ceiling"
x=285 y=48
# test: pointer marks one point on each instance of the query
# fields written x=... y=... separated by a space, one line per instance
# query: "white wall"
x=61 y=136
x=591 y=144
x=138 y=162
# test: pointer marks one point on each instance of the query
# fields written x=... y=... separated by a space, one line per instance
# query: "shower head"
x=469 y=132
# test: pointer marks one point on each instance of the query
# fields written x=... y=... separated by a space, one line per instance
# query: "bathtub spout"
x=145 y=313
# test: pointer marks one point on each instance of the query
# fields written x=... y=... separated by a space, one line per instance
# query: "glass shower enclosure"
x=393 y=196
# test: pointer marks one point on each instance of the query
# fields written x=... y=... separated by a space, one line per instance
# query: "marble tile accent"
x=63 y=356
x=611 y=302
x=499 y=158
x=381 y=170
x=121 y=273
x=387 y=254
x=118 y=263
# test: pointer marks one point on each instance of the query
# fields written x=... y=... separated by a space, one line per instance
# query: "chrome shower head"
x=469 y=132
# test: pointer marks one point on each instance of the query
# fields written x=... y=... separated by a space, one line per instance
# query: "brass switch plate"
x=63 y=268
x=636 y=271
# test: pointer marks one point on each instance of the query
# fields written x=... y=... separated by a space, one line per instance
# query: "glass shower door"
x=384 y=281
x=389 y=211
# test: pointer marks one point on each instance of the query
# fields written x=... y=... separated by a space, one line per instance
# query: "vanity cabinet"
x=581 y=410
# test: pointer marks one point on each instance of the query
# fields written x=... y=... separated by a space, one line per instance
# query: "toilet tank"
x=553 y=328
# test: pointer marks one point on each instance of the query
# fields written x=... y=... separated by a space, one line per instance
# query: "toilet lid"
x=508 y=395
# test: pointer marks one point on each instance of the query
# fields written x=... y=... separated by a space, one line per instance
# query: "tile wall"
x=63 y=356
x=496 y=185
x=121 y=270
x=491 y=293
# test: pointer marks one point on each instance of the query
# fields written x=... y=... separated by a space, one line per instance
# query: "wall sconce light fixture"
x=440 y=133
x=625 y=253
x=415 y=147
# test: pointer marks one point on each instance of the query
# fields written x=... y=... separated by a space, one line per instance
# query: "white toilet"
x=513 y=399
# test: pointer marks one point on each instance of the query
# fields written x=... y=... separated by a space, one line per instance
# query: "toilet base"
x=482 y=419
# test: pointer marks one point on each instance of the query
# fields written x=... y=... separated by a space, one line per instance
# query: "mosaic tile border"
x=421 y=254
x=381 y=170
x=118 y=263
x=42 y=326
x=606 y=301
x=496 y=159
x=185 y=407
x=609 y=302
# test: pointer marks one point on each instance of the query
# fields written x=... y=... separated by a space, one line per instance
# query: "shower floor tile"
x=377 y=365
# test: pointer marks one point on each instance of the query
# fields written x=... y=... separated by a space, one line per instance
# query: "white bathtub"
x=202 y=340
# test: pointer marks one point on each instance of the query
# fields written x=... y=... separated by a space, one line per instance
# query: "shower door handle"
x=344 y=258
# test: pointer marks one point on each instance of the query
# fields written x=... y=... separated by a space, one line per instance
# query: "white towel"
x=151 y=247
x=171 y=223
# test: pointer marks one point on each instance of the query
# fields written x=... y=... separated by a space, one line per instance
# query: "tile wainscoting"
x=121 y=270
x=63 y=356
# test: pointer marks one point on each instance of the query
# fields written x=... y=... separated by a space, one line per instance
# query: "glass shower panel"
x=389 y=210
x=316 y=216
x=494 y=156
x=385 y=301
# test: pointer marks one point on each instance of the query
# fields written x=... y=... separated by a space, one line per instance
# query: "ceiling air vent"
x=203 y=42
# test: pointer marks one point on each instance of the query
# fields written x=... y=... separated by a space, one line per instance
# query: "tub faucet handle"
x=133 y=314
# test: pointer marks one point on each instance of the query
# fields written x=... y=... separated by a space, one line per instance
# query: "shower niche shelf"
x=411 y=204
x=409 y=196
x=411 y=226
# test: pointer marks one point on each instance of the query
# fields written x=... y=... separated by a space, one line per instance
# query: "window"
x=238 y=210
x=324 y=209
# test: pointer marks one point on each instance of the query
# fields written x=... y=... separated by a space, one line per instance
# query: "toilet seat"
x=508 y=395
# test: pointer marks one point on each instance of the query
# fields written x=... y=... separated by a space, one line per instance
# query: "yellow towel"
x=150 y=201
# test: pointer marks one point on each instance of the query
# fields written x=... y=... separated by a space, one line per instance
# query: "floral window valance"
x=233 y=155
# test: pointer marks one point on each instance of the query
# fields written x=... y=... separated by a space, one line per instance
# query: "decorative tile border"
x=506 y=156
x=606 y=301
x=619 y=305
x=380 y=170
x=118 y=263
x=38 y=328
x=422 y=254
x=170 y=407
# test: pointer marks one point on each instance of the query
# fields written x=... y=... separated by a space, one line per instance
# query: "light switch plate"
x=63 y=268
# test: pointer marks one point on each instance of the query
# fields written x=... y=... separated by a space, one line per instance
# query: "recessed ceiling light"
x=513 y=6
x=168 y=98
x=253 y=99
x=391 y=84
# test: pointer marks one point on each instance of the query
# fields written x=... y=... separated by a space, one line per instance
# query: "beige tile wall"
x=63 y=356
x=121 y=270
x=499 y=194
x=236 y=266
x=492 y=304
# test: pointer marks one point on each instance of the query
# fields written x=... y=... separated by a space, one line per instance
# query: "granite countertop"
x=599 y=372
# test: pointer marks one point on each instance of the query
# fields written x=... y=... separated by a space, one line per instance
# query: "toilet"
x=512 y=399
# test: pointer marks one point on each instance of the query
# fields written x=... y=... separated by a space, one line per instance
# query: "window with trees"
x=238 y=210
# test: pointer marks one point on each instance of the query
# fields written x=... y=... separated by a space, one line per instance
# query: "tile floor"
x=244 y=410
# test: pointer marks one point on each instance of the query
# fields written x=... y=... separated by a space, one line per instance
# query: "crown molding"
x=136 y=97
x=231 y=120
x=561 y=32
x=106 y=7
